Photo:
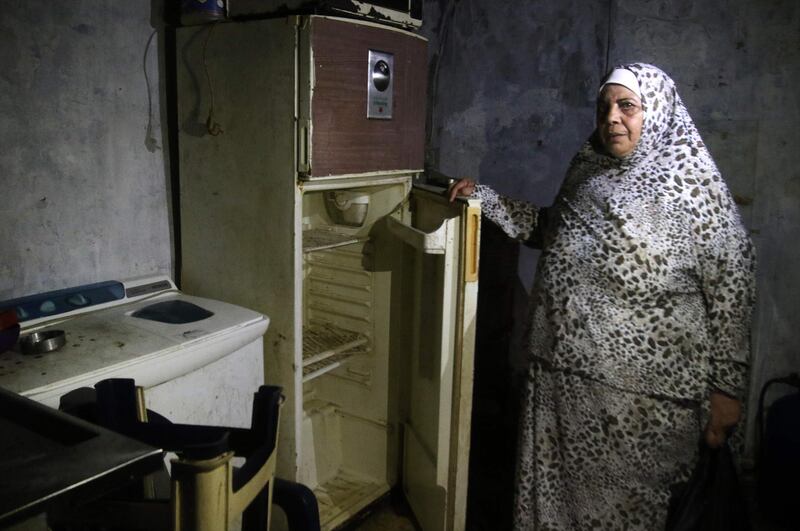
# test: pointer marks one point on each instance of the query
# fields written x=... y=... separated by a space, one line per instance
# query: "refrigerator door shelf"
x=428 y=242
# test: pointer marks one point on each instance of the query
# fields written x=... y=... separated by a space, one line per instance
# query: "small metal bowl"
x=41 y=342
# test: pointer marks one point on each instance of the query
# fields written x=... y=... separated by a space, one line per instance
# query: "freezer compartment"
x=336 y=216
x=361 y=99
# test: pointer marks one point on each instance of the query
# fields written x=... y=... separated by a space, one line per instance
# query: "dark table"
x=49 y=459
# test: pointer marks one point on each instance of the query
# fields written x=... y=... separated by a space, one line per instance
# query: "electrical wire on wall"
x=609 y=35
x=150 y=141
x=444 y=26
x=212 y=126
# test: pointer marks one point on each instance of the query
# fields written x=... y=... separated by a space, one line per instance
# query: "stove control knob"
x=47 y=307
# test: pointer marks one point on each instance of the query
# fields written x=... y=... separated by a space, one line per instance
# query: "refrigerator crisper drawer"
x=336 y=136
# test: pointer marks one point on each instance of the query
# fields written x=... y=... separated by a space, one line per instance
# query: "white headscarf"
x=624 y=77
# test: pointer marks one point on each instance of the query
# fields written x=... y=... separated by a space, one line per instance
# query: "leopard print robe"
x=641 y=306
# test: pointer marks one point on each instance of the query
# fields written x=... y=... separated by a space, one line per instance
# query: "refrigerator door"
x=444 y=237
x=361 y=99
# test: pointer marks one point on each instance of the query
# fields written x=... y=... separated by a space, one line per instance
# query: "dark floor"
x=491 y=474
x=387 y=516
x=759 y=517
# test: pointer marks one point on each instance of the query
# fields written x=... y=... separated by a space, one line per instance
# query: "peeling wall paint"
x=514 y=101
x=84 y=197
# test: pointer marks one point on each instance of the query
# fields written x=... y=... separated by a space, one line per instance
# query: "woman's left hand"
x=725 y=414
x=462 y=187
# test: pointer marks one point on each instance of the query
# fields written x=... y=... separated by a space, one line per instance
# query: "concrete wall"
x=514 y=85
x=84 y=195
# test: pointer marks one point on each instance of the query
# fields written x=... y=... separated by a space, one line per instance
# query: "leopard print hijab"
x=669 y=135
x=630 y=233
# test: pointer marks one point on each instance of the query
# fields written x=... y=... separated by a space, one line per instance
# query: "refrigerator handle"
x=303 y=165
x=472 y=237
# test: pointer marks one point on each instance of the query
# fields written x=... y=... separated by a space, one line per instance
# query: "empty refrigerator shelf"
x=344 y=495
x=319 y=239
x=319 y=368
x=325 y=346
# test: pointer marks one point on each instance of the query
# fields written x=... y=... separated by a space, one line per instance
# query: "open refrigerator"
x=301 y=149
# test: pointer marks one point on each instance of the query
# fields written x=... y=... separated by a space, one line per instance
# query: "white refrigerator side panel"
x=237 y=188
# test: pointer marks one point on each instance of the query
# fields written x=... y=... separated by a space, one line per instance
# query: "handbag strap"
x=793 y=380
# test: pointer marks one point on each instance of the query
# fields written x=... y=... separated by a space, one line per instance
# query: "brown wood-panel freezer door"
x=343 y=141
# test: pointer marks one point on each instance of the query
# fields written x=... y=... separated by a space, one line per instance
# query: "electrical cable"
x=150 y=141
x=444 y=26
x=609 y=34
x=212 y=126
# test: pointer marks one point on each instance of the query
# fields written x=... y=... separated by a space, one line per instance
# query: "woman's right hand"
x=464 y=187
x=725 y=413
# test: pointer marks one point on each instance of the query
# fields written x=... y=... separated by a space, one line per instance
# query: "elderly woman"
x=640 y=315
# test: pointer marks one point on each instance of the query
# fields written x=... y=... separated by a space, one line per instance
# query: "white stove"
x=200 y=360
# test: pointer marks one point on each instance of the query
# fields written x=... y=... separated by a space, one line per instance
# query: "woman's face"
x=619 y=120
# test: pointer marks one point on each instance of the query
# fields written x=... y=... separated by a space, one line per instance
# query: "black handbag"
x=712 y=498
